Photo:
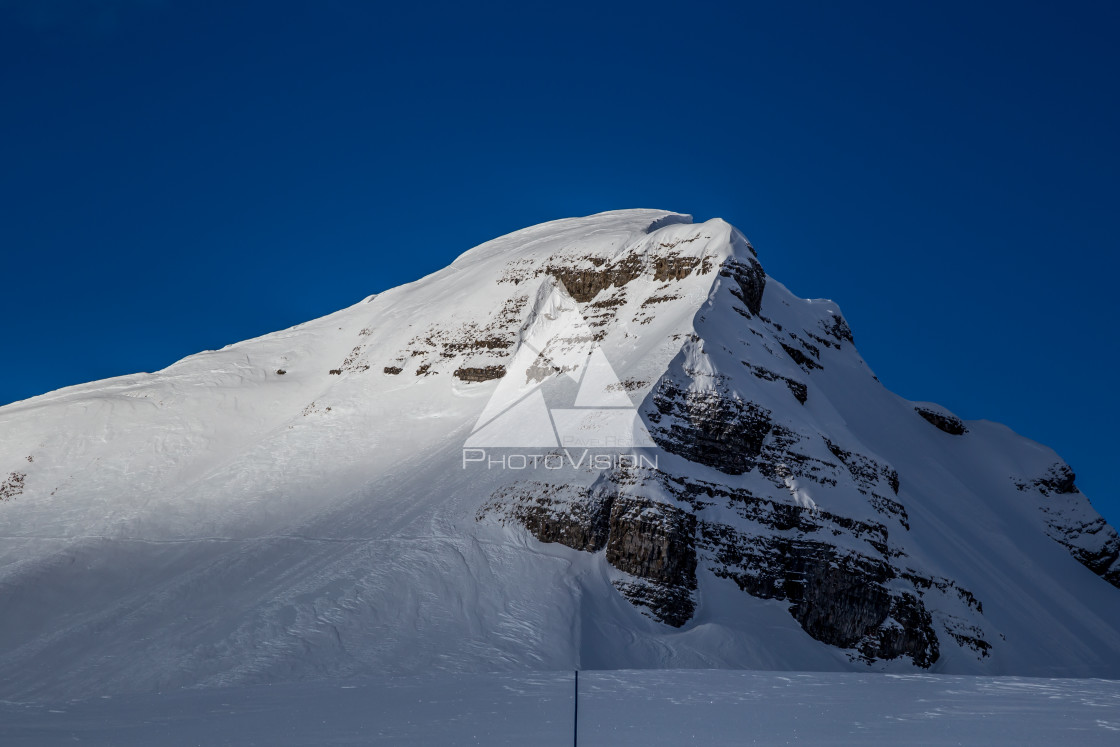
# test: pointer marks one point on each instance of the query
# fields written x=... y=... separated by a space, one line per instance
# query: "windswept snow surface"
x=651 y=707
x=296 y=507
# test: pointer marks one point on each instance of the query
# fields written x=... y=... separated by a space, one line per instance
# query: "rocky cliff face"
x=942 y=420
x=713 y=428
x=1071 y=522
x=747 y=476
x=652 y=543
x=434 y=478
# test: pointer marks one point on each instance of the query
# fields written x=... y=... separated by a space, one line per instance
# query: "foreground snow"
x=646 y=707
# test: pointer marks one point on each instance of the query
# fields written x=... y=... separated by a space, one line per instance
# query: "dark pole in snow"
x=575 y=719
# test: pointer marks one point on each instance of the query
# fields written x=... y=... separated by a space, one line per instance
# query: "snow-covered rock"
x=601 y=442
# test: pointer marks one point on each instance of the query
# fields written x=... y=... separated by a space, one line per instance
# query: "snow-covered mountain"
x=602 y=442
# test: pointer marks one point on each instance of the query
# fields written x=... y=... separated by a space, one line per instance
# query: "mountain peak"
x=623 y=227
x=338 y=484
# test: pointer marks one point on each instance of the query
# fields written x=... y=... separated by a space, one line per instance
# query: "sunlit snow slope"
x=297 y=506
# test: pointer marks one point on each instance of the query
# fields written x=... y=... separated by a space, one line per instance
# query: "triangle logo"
x=557 y=345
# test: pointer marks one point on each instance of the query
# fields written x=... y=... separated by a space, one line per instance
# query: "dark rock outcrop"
x=799 y=357
x=354 y=362
x=1059 y=479
x=1072 y=523
x=1104 y=561
x=750 y=281
x=840 y=575
x=838 y=328
x=672 y=605
x=474 y=345
x=655 y=542
x=869 y=475
x=1091 y=541
x=717 y=430
x=584 y=282
x=943 y=421
x=13 y=485
x=837 y=600
x=911 y=634
x=968 y=636
x=652 y=542
x=838 y=597
x=483 y=373
x=576 y=517
x=834 y=570
x=799 y=390
x=888 y=507
x=865 y=471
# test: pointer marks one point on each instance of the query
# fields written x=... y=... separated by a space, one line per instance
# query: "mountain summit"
x=603 y=442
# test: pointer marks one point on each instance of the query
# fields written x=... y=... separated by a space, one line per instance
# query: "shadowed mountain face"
x=610 y=441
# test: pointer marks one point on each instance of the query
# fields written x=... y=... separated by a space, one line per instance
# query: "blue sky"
x=177 y=176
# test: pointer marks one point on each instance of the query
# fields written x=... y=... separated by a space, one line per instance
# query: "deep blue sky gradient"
x=177 y=176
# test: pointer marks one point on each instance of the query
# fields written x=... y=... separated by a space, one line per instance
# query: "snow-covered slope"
x=335 y=499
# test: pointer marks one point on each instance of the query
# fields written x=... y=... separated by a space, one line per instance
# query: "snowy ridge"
x=298 y=505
